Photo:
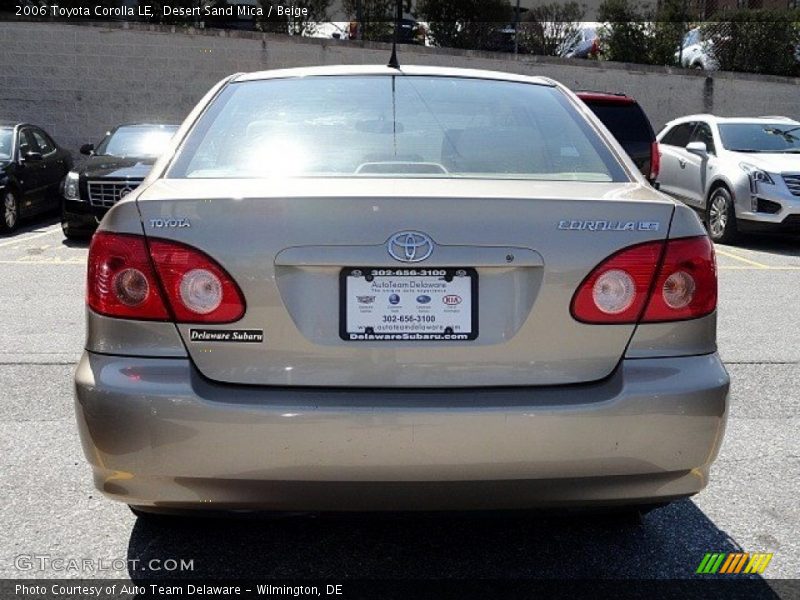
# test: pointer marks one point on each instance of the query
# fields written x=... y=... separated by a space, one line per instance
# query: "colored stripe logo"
x=732 y=563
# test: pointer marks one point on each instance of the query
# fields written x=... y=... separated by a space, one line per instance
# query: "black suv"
x=115 y=168
x=626 y=121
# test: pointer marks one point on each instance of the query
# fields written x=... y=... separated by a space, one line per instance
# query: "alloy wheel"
x=718 y=215
x=10 y=210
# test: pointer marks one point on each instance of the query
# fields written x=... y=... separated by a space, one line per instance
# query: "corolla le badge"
x=410 y=246
x=601 y=225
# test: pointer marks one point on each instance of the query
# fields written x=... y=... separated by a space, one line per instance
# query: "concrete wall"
x=77 y=80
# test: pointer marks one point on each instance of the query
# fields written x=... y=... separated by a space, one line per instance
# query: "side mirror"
x=698 y=148
x=32 y=156
x=87 y=149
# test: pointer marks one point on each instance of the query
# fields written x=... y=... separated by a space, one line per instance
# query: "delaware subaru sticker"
x=241 y=336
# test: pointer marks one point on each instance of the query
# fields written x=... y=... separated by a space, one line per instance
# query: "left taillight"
x=120 y=281
x=159 y=280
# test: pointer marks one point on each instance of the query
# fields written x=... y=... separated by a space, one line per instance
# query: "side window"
x=26 y=142
x=702 y=133
x=679 y=135
x=46 y=145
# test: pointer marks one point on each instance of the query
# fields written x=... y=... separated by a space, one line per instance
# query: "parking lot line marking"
x=30 y=237
x=749 y=268
x=39 y=261
x=744 y=260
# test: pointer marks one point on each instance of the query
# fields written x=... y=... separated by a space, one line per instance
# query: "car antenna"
x=393 y=62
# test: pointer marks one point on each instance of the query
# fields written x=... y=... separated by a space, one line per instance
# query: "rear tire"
x=9 y=217
x=721 y=216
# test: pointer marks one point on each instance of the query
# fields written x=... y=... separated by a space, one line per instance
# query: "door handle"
x=682 y=163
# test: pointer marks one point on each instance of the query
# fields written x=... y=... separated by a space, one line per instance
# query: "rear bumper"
x=157 y=434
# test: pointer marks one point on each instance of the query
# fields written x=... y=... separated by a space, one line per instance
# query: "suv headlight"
x=71 y=188
x=756 y=176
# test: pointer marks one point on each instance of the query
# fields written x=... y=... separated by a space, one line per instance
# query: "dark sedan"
x=32 y=166
x=118 y=164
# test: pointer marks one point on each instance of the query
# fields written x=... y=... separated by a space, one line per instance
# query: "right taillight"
x=650 y=282
x=129 y=277
x=686 y=286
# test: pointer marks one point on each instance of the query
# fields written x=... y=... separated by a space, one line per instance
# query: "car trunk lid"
x=286 y=243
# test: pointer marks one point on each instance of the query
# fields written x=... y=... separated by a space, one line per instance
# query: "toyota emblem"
x=410 y=246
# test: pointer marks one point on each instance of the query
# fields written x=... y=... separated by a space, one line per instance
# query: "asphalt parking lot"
x=50 y=507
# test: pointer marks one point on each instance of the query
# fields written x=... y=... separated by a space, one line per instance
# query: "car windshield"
x=136 y=141
x=6 y=141
x=761 y=137
x=394 y=126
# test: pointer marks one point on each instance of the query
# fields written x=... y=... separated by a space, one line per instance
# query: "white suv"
x=743 y=174
x=697 y=52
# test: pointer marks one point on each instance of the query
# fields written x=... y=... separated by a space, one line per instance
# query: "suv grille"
x=793 y=183
x=105 y=194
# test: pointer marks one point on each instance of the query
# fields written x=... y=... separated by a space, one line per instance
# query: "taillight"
x=686 y=287
x=171 y=280
x=199 y=290
x=639 y=284
x=655 y=161
x=120 y=279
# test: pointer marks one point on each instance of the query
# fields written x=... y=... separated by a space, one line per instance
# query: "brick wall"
x=76 y=81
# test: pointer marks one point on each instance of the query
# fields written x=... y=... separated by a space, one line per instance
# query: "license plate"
x=408 y=304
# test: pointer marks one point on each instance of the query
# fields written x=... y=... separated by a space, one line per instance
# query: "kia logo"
x=452 y=300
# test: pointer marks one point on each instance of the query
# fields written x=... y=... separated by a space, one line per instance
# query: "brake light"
x=171 y=280
x=120 y=279
x=650 y=282
x=686 y=287
x=655 y=161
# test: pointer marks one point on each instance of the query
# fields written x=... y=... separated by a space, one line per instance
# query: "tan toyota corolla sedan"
x=361 y=288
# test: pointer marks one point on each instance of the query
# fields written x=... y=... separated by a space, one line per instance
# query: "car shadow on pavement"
x=668 y=543
x=786 y=245
x=37 y=224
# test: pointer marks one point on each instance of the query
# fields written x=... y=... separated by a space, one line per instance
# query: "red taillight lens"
x=630 y=285
x=605 y=296
x=199 y=290
x=122 y=281
x=655 y=161
x=686 y=287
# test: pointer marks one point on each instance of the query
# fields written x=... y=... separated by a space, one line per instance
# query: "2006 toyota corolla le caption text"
x=362 y=288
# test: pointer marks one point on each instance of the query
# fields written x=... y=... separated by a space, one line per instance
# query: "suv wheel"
x=721 y=216
x=9 y=218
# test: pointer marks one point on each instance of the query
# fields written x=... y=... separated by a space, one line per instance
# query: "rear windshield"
x=760 y=137
x=391 y=126
x=625 y=121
